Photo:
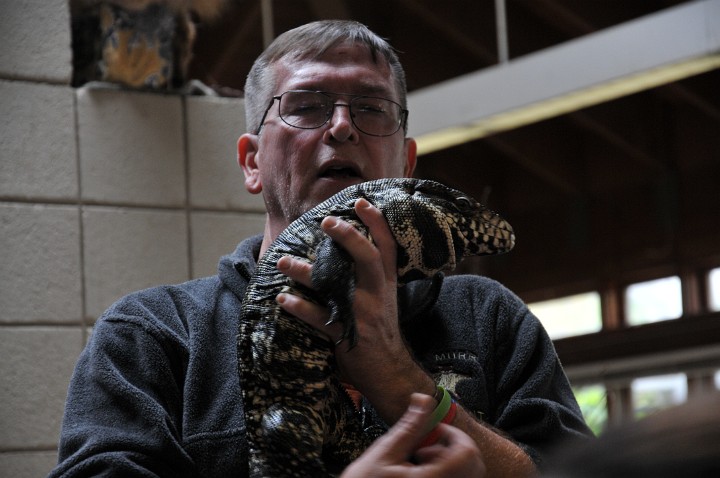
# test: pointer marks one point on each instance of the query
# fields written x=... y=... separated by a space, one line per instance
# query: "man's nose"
x=344 y=114
x=342 y=127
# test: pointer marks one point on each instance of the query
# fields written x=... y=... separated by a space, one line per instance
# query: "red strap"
x=355 y=396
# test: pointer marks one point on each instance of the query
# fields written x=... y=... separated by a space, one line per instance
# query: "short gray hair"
x=309 y=42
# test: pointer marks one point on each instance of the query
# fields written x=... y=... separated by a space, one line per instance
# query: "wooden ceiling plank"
x=238 y=40
x=680 y=94
x=558 y=16
x=330 y=9
x=444 y=116
x=453 y=34
x=614 y=138
x=537 y=168
x=572 y=24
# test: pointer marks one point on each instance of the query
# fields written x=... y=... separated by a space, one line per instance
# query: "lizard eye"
x=463 y=203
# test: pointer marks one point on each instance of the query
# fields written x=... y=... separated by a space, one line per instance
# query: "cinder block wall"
x=102 y=192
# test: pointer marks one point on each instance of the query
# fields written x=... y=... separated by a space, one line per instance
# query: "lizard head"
x=476 y=229
x=439 y=226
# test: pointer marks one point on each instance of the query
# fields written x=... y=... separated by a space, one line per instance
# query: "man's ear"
x=247 y=159
x=410 y=156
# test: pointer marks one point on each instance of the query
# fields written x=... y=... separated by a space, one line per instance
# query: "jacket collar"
x=236 y=269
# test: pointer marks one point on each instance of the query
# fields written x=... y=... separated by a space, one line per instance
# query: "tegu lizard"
x=300 y=422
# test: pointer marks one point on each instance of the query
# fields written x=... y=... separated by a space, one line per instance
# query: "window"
x=650 y=394
x=572 y=315
x=653 y=301
x=714 y=289
x=593 y=403
x=628 y=393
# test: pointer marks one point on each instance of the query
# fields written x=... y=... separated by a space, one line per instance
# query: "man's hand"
x=454 y=455
x=380 y=366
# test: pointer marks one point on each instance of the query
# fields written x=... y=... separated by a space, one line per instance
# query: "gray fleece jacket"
x=156 y=391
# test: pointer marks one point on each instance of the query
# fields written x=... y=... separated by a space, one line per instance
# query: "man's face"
x=299 y=168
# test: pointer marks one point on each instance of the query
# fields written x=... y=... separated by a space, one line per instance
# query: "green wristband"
x=440 y=411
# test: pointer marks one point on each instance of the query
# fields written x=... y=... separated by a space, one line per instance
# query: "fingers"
x=379 y=231
x=312 y=314
x=309 y=312
x=297 y=270
x=367 y=256
x=455 y=453
x=375 y=271
x=351 y=240
x=401 y=439
x=451 y=438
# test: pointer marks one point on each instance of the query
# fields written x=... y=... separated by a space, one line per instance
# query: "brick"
x=217 y=234
x=40 y=270
x=37 y=141
x=35 y=39
x=131 y=249
x=36 y=368
x=131 y=147
x=216 y=179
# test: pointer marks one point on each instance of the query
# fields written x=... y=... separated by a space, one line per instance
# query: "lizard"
x=299 y=419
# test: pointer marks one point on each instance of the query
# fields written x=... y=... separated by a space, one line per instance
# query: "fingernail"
x=363 y=203
x=416 y=405
x=330 y=222
x=281 y=298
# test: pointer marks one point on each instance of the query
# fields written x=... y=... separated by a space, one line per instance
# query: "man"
x=156 y=392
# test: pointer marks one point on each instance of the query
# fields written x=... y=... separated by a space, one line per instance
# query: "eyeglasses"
x=311 y=109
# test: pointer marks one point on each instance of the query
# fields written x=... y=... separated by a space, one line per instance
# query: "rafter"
x=559 y=180
x=454 y=35
x=330 y=9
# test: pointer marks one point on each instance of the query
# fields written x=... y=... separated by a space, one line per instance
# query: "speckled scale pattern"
x=300 y=421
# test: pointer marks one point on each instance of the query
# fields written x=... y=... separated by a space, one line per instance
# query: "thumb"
x=403 y=438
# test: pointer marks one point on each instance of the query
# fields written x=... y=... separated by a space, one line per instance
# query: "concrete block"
x=40 y=269
x=38 y=157
x=131 y=249
x=217 y=234
x=131 y=147
x=27 y=464
x=216 y=179
x=35 y=39
x=36 y=368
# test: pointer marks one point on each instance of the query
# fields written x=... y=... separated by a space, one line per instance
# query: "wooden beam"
x=238 y=40
x=554 y=178
x=335 y=9
x=612 y=137
x=452 y=34
x=558 y=16
x=677 y=42
x=658 y=338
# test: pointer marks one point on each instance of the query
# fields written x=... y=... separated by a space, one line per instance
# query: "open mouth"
x=340 y=172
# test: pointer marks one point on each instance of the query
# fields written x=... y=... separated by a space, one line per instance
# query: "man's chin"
x=335 y=184
x=324 y=189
